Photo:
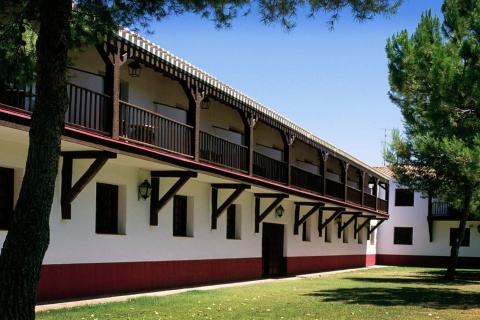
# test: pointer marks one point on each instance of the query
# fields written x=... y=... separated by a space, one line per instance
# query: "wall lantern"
x=144 y=190
x=205 y=104
x=371 y=182
x=279 y=211
x=338 y=219
x=134 y=69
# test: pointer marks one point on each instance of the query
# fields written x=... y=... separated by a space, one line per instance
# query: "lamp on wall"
x=371 y=182
x=144 y=190
x=134 y=69
x=338 y=219
x=205 y=104
x=279 y=211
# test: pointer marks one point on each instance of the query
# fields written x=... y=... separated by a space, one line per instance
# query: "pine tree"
x=434 y=76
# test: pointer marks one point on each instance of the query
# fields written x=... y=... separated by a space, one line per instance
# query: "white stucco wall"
x=75 y=240
x=416 y=217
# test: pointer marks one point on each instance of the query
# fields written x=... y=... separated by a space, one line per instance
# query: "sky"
x=333 y=84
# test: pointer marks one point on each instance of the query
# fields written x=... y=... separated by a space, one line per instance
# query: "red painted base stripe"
x=69 y=281
x=426 y=261
x=298 y=265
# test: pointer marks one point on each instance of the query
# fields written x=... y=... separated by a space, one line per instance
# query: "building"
x=237 y=191
x=420 y=232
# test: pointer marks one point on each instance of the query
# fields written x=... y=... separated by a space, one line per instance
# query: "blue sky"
x=332 y=83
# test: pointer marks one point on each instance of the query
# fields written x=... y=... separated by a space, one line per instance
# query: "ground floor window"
x=6 y=197
x=454 y=236
x=232 y=222
x=180 y=216
x=403 y=235
x=106 y=209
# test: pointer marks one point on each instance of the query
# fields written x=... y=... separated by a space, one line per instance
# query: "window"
x=6 y=197
x=305 y=231
x=180 y=216
x=403 y=235
x=404 y=198
x=231 y=222
x=107 y=209
x=454 y=236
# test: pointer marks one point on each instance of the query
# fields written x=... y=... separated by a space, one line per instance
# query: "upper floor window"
x=403 y=235
x=404 y=198
x=454 y=236
x=180 y=216
x=106 y=221
x=6 y=197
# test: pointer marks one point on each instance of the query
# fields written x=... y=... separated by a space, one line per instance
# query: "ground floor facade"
x=109 y=245
x=421 y=234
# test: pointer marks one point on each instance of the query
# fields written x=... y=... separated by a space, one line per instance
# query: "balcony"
x=93 y=111
x=151 y=129
x=307 y=180
x=354 y=195
x=220 y=151
x=268 y=168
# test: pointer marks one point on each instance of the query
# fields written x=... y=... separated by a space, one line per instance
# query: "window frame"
x=180 y=216
x=403 y=237
x=231 y=228
x=466 y=238
x=407 y=199
x=106 y=209
x=7 y=191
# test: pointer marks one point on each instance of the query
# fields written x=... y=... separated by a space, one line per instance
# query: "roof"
x=385 y=170
x=214 y=82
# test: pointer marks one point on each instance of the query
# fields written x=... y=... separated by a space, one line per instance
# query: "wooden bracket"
x=216 y=210
x=363 y=224
x=69 y=193
x=259 y=217
x=321 y=226
x=157 y=204
x=380 y=221
x=352 y=218
x=299 y=221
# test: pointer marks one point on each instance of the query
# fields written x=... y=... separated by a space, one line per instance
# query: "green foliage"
x=434 y=76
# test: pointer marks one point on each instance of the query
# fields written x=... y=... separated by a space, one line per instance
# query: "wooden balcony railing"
x=223 y=152
x=146 y=127
x=354 y=195
x=269 y=168
x=21 y=98
x=87 y=108
x=441 y=209
x=368 y=200
x=335 y=189
x=307 y=180
x=382 y=205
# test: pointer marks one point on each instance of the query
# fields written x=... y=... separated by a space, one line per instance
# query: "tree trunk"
x=29 y=234
x=454 y=252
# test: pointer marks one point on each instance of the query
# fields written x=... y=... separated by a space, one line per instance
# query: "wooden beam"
x=321 y=226
x=157 y=204
x=380 y=221
x=217 y=211
x=352 y=218
x=69 y=193
x=358 y=228
x=299 y=221
x=259 y=217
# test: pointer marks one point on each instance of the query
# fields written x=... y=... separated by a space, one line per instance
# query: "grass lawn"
x=377 y=293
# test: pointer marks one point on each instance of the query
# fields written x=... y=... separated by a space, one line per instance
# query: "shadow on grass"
x=414 y=290
x=463 y=277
